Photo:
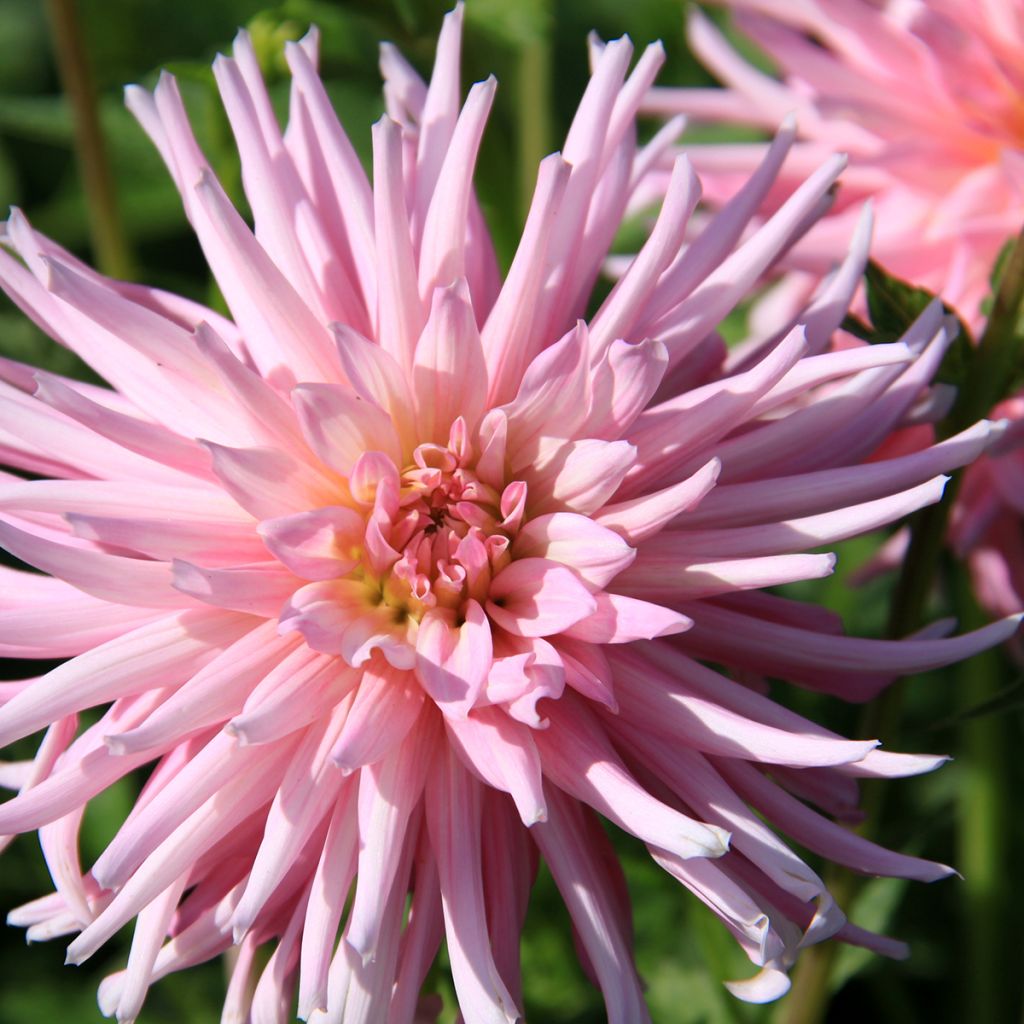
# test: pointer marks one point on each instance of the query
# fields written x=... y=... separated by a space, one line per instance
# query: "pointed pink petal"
x=259 y=589
x=621 y=620
x=640 y=518
x=448 y=365
x=502 y=753
x=454 y=821
x=567 y=841
x=453 y=658
x=538 y=597
x=340 y=426
x=386 y=705
x=318 y=545
x=389 y=791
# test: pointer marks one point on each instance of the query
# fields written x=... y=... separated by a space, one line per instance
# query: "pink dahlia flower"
x=399 y=579
x=924 y=96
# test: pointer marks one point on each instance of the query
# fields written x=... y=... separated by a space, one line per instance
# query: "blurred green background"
x=966 y=962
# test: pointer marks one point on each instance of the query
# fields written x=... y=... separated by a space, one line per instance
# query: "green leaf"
x=513 y=24
x=1007 y=699
x=269 y=33
x=894 y=305
x=997 y=366
x=996 y=276
x=855 y=326
x=38 y=118
x=874 y=909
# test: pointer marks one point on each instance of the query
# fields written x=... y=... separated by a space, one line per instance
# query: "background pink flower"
x=399 y=578
x=926 y=98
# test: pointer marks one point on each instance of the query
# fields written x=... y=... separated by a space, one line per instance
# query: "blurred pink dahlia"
x=399 y=579
x=927 y=98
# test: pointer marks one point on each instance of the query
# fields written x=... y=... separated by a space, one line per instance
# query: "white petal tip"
x=237 y=731
x=116 y=745
x=764 y=987
x=537 y=816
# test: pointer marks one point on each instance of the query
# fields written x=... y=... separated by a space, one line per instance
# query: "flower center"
x=431 y=536
x=451 y=532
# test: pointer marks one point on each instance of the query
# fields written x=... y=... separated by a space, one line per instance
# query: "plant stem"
x=983 y=828
x=533 y=105
x=110 y=247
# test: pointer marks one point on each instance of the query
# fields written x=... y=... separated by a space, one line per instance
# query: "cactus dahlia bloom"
x=924 y=95
x=400 y=578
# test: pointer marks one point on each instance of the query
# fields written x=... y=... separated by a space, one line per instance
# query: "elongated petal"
x=453 y=818
x=502 y=752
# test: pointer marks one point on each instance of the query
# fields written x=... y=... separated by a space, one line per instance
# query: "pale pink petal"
x=340 y=426
x=624 y=382
x=341 y=164
x=538 y=597
x=283 y=703
x=400 y=313
x=447 y=365
x=317 y=545
x=619 y=311
x=579 y=475
x=268 y=482
x=566 y=842
x=213 y=767
x=639 y=518
x=161 y=653
x=596 y=553
x=507 y=338
x=328 y=889
x=214 y=693
x=442 y=257
x=578 y=757
x=453 y=657
x=336 y=617
x=259 y=589
x=453 y=818
x=502 y=753
x=620 y=620
x=665 y=574
x=386 y=705
x=389 y=791
x=307 y=792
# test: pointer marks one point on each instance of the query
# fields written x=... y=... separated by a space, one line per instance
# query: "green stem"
x=108 y=240
x=808 y=999
x=533 y=106
x=982 y=839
